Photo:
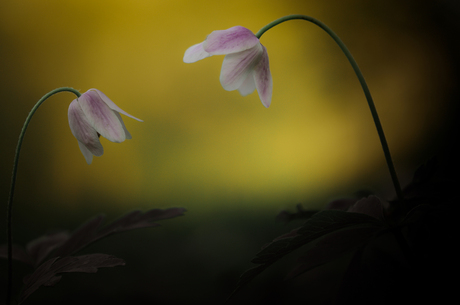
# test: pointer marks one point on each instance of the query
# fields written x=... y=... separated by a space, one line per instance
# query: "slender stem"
x=360 y=76
x=13 y=183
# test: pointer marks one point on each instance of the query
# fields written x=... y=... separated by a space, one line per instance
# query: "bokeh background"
x=231 y=162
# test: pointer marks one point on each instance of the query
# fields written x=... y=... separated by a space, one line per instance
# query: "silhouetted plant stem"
x=13 y=183
x=364 y=86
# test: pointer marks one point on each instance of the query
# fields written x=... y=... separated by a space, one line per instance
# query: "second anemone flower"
x=245 y=67
x=93 y=115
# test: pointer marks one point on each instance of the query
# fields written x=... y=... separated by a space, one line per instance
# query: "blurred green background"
x=231 y=162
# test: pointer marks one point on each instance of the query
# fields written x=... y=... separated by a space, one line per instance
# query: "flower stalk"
x=13 y=183
x=364 y=86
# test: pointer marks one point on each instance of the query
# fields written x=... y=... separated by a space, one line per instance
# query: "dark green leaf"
x=91 y=231
x=47 y=274
x=319 y=225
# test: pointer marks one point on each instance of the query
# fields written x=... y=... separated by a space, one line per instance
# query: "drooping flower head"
x=245 y=65
x=93 y=115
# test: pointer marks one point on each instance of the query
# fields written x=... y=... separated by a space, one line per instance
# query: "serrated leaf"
x=90 y=232
x=137 y=220
x=319 y=225
x=81 y=237
x=332 y=246
x=300 y=213
x=65 y=245
x=41 y=247
x=47 y=274
x=245 y=278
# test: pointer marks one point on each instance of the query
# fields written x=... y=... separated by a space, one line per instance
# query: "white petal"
x=263 y=79
x=86 y=153
x=112 y=105
x=195 y=53
x=83 y=131
x=235 y=39
x=237 y=66
x=248 y=86
x=127 y=134
x=101 y=117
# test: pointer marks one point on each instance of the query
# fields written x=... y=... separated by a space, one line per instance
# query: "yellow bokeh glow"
x=199 y=145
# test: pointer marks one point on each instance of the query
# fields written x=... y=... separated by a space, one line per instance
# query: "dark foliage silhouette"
x=52 y=254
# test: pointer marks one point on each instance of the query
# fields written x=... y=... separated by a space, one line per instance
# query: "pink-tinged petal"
x=83 y=131
x=86 y=153
x=263 y=79
x=112 y=105
x=232 y=40
x=248 y=86
x=101 y=117
x=127 y=134
x=195 y=53
x=237 y=66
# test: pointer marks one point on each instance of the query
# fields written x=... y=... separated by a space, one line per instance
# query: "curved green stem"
x=360 y=76
x=13 y=183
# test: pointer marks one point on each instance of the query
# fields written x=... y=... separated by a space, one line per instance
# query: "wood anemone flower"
x=93 y=115
x=245 y=67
